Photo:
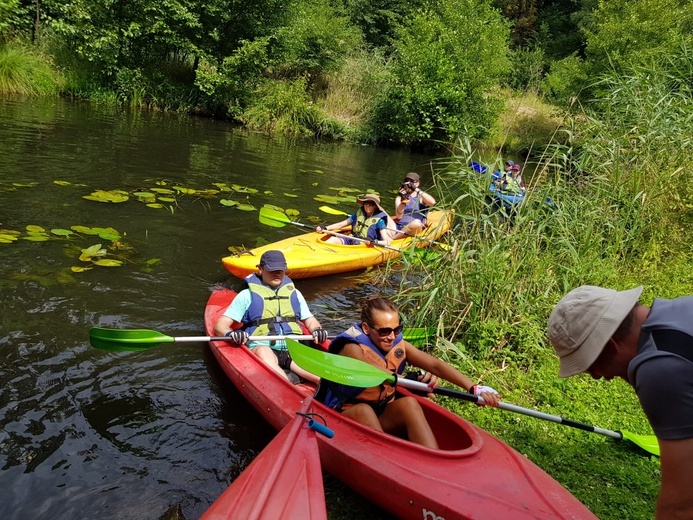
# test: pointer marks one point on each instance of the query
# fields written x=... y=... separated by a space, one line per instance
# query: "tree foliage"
x=447 y=59
x=623 y=32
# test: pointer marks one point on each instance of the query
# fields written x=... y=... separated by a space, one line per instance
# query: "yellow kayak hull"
x=308 y=255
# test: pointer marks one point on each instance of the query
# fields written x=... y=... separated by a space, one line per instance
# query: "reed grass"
x=27 y=72
x=609 y=205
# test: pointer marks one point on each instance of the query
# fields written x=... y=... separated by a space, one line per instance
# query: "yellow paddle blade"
x=332 y=211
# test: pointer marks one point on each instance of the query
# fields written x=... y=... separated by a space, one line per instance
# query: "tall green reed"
x=606 y=206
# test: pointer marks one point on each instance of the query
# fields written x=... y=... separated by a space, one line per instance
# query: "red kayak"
x=473 y=475
x=284 y=480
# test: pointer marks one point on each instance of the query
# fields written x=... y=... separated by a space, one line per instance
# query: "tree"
x=447 y=59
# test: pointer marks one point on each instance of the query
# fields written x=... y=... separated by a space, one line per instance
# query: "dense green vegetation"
x=606 y=206
x=414 y=72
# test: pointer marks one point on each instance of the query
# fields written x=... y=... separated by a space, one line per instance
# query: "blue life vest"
x=334 y=395
x=413 y=210
x=272 y=311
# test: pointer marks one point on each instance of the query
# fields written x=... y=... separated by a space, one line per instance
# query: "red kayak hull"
x=473 y=475
x=284 y=480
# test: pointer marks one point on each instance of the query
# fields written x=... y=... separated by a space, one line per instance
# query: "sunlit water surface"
x=87 y=433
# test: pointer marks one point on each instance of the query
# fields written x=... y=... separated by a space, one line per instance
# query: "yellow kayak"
x=308 y=255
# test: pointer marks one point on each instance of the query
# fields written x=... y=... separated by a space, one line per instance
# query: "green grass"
x=27 y=72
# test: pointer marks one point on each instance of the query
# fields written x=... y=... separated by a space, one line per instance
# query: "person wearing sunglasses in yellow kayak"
x=377 y=340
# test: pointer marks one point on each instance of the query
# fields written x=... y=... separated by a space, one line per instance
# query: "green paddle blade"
x=131 y=339
x=418 y=336
x=646 y=442
x=272 y=217
x=340 y=369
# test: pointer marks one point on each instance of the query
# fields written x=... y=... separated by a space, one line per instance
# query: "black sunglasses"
x=384 y=332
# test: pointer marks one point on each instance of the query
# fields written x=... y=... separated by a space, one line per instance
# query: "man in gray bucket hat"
x=607 y=333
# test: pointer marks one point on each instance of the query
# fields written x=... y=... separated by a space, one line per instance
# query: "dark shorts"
x=284 y=358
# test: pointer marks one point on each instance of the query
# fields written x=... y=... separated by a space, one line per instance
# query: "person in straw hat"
x=370 y=222
x=607 y=333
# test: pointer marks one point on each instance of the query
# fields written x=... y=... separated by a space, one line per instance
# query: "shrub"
x=565 y=80
x=282 y=106
x=447 y=59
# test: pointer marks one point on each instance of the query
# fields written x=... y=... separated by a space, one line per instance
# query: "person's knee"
x=409 y=406
x=362 y=413
x=266 y=355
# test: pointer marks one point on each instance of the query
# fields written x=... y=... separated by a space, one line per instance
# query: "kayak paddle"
x=353 y=372
x=333 y=211
x=274 y=218
x=144 y=339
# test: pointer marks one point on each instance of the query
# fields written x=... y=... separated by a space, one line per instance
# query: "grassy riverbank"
x=606 y=207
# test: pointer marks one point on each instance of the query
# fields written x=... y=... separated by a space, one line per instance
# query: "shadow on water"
x=89 y=433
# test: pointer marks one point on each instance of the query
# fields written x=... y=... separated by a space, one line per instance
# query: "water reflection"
x=87 y=433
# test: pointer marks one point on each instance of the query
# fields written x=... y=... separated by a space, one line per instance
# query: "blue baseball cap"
x=273 y=261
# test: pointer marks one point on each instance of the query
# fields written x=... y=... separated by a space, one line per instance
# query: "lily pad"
x=184 y=191
x=36 y=238
x=92 y=251
x=246 y=207
x=62 y=232
x=327 y=198
x=78 y=269
x=165 y=191
x=62 y=183
x=84 y=229
x=243 y=189
x=153 y=261
x=155 y=205
x=108 y=262
x=37 y=229
x=228 y=202
x=292 y=195
x=167 y=199
x=114 y=196
x=292 y=212
x=275 y=208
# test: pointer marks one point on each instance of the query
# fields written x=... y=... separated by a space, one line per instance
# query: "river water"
x=120 y=435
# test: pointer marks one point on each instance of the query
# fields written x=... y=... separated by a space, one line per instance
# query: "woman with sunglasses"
x=370 y=222
x=378 y=340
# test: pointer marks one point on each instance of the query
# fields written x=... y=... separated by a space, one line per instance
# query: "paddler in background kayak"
x=270 y=305
x=369 y=222
x=378 y=340
x=411 y=205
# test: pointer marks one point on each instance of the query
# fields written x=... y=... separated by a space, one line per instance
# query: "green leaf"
x=246 y=207
x=228 y=202
x=36 y=229
x=108 y=262
x=62 y=232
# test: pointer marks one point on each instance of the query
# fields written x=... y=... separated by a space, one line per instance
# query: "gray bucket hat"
x=583 y=321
